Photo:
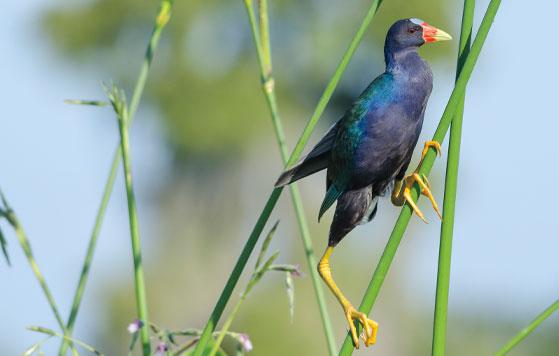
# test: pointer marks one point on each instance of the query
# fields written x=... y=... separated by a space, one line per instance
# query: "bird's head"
x=413 y=33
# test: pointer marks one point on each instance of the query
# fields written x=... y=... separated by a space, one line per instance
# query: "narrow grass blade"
x=86 y=102
x=4 y=246
x=451 y=183
x=35 y=347
x=265 y=245
x=405 y=215
x=9 y=214
x=13 y=220
x=161 y=20
x=522 y=334
x=51 y=332
x=274 y=196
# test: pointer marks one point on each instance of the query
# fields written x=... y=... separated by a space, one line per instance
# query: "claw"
x=370 y=327
x=401 y=196
x=425 y=187
x=436 y=145
x=426 y=191
x=426 y=181
x=409 y=200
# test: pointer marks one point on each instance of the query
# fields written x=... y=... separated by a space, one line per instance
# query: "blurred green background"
x=205 y=160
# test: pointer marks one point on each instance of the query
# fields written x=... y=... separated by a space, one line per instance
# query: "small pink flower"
x=297 y=272
x=245 y=342
x=135 y=326
x=161 y=348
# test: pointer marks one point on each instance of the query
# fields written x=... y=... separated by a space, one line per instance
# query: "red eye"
x=412 y=30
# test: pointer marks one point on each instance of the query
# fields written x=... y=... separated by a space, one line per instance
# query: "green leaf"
x=133 y=341
x=118 y=100
x=185 y=332
x=35 y=347
x=294 y=269
x=258 y=274
x=265 y=245
x=3 y=245
x=4 y=201
x=86 y=102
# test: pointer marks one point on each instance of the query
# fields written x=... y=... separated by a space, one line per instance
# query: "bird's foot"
x=425 y=187
x=370 y=327
x=428 y=144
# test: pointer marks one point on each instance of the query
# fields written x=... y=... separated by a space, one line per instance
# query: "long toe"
x=372 y=339
x=413 y=206
x=352 y=329
x=367 y=330
x=426 y=191
x=435 y=144
x=369 y=327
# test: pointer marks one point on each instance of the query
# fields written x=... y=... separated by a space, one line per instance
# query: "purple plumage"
x=372 y=144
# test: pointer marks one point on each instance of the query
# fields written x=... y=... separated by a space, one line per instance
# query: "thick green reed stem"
x=405 y=215
x=522 y=334
x=451 y=183
x=272 y=200
x=262 y=44
x=162 y=19
x=139 y=284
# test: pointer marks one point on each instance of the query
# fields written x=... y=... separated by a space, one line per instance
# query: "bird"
x=367 y=152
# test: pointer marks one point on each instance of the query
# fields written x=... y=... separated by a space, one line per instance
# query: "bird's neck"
x=404 y=61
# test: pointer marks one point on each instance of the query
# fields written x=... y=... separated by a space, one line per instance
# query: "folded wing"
x=315 y=161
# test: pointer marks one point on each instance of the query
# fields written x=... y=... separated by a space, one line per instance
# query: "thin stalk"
x=522 y=334
x=80 y=289
x=262 y=44
x=139 y=284
x=449 y=203
x=227 y=325
x=405 y=214
x=260 y=269
x=160 y=22
x=26 y=247
x=274 y=196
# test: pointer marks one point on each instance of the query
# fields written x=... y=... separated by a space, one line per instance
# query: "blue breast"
x=381 y=129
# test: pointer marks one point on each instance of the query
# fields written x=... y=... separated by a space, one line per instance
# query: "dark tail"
x=355 y=207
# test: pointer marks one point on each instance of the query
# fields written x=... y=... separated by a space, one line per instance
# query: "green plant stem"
x=451 y=183
x=78 y=295
x=139 y=284
x=160 y=22
x=522 y=334
x=274 y=196
x=405 y=214
x=262 y=44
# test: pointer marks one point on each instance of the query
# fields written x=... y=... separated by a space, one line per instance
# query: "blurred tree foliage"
x=205 y=81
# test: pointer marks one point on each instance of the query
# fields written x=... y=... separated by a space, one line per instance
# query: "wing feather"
x=317 y=159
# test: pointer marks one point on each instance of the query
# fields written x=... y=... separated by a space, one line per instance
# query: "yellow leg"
x=370 y=327
x=402 y=189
